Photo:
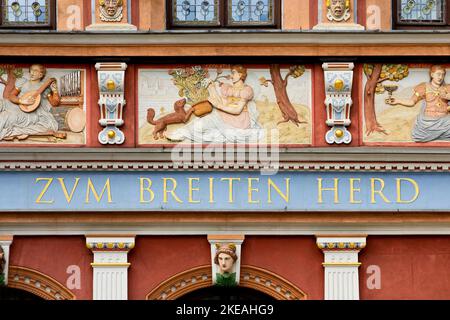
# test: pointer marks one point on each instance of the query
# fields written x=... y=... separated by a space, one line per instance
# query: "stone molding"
x=283 y=166
x=38 y=283
x=227 y=37
x=110 y=243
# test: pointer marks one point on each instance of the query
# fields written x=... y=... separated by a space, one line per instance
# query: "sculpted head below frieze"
x=338 y=10
x=111 y=10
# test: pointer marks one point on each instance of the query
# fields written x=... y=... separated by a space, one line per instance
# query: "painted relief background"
x=405 y=103
x=42 y=105
x=224 y=103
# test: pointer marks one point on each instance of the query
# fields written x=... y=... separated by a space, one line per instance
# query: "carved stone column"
x=341 y=265
x=5 y=243
x=337 y=15
x=110 y=265
x=111 y=83
x=226 y=247
x=338 y=100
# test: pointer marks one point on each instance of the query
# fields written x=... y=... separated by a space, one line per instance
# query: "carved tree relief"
x=279 y=85
x=376 y=74
x=11 y=75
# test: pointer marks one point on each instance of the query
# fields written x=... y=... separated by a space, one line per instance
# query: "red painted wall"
x=157 y=258
x=52 y=255
x=412 y=267
x=295 y=258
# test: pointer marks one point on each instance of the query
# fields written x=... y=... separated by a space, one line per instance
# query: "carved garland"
x=251 y=277
x=38 y=283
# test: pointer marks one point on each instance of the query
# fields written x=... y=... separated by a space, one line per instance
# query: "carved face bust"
x=437 y=75
x=111 y=7
x=37 y=72
x=225 y=262
x=338 y=10
x=225 y=257
x=111 y=10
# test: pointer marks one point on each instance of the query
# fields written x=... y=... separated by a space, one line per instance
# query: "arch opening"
x=199 y=279
x=13 y=294
x=38 y=284
x=237 y=293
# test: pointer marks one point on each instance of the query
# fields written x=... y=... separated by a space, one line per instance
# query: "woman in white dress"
x=233 y=118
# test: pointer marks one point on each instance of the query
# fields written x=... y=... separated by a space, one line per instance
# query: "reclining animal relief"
x=225 y=104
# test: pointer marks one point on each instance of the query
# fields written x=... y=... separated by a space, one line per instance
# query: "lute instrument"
x=36 y=94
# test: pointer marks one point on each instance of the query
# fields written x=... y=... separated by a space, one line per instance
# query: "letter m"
x=90 y=187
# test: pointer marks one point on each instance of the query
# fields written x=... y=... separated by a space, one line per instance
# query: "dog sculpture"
x=178 y=116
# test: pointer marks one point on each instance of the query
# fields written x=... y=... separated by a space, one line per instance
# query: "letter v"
x=64 y=189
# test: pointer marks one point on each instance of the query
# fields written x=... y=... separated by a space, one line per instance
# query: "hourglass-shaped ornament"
x=409 y=6
x=427 y=9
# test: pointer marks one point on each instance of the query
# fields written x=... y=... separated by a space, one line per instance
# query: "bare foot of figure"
x=60 y=135
x=22 y=137
x=19 y=137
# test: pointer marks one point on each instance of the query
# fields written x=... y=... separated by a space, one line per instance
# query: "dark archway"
x=262 y=282
x=12 y=294
x=215 y=293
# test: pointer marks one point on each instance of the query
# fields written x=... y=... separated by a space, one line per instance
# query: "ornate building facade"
x=289 y=150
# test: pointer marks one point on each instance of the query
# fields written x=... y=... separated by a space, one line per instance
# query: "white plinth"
x=110 y=266
x=111 y=27
x=338 y=27
x=341 y=266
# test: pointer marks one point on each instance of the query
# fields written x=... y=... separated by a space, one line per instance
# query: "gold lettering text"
x=251 y=189
x=64 y=189
x=399 y=190
x=192 y=189
x=90 y=187
x=373 y=191
x=211 y=190
x=230 y=187
x=146 y=188
x=44 y=190
x=320 y=189
x=271 y=184
x=353 y=189
x=171 y=191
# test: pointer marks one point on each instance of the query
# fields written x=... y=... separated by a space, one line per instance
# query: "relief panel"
x=41 y=105
x=225 y=104
x=406 y=103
